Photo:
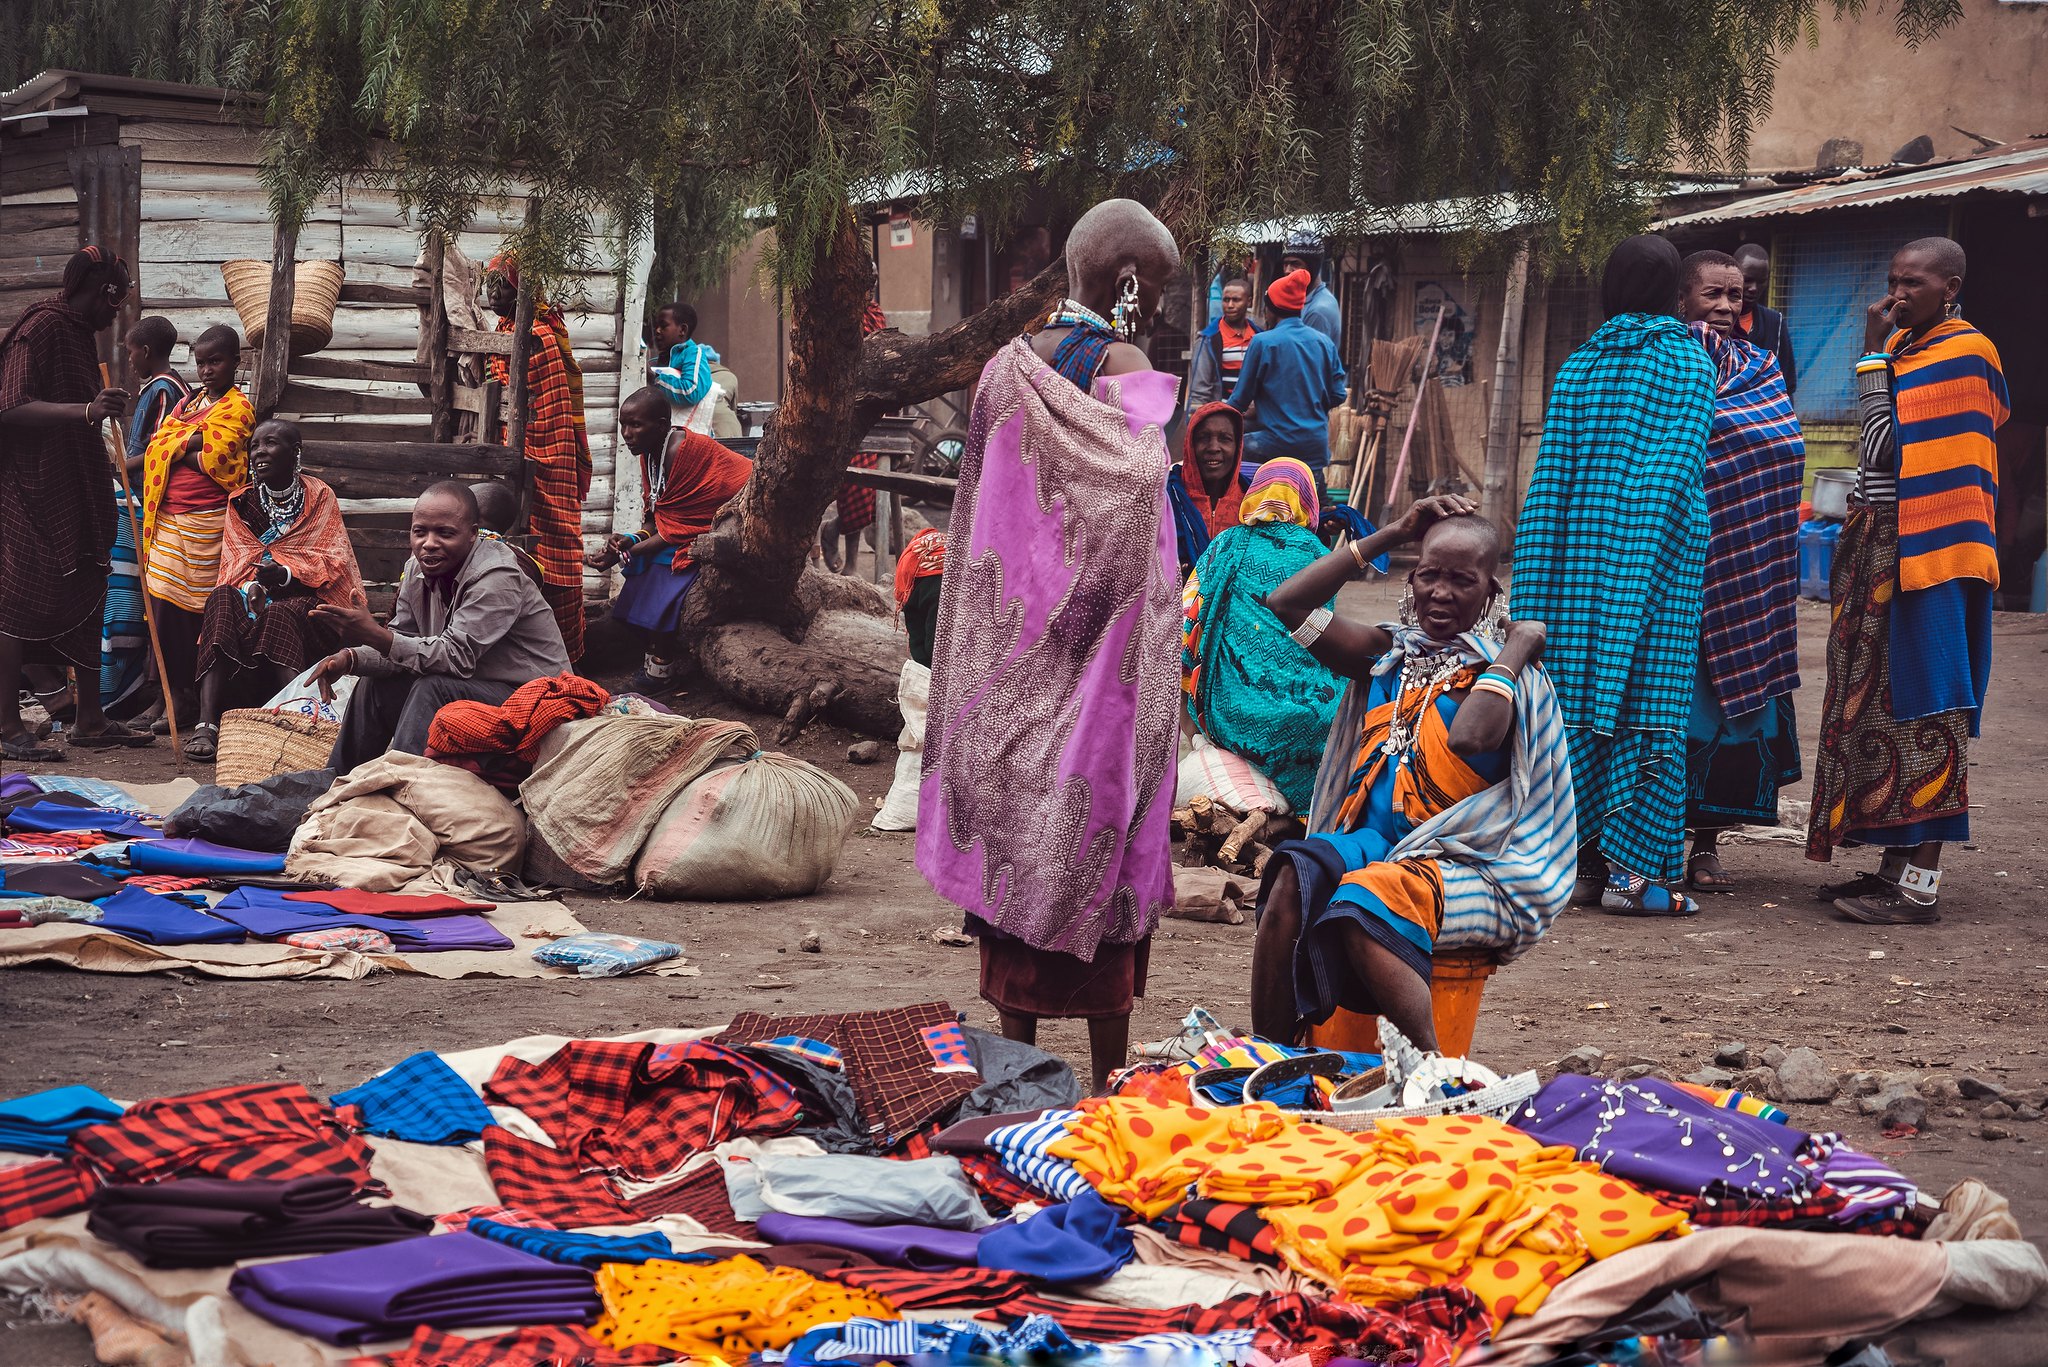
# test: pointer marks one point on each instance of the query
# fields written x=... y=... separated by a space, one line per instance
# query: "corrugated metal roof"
x=2019 y=168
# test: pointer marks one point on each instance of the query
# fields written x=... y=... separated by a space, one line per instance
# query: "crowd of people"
x=1462 y=774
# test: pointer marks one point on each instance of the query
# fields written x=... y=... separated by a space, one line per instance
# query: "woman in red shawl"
x=1208 y=484
x=685 y=478
x=283 y=549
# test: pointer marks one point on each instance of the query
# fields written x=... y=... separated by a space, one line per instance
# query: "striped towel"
x=1023 y=1149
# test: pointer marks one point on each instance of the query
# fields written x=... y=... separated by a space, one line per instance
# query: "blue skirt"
x=652 y=597
x=1736 y=765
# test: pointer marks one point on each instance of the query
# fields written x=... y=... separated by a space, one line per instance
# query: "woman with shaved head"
x=1050 y=747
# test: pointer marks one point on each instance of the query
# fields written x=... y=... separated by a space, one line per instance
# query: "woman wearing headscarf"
x=1249 y=687
x=1743 y=741
x=1205 y=488
x=1609 y=556
x=1049 y=754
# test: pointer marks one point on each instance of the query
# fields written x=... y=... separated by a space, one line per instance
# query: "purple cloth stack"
x=915 y=1246
x=448 y=1281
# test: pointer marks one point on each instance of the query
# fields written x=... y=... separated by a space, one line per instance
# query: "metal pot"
x=1831 y=493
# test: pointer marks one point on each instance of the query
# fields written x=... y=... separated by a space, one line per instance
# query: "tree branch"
x=896 y=370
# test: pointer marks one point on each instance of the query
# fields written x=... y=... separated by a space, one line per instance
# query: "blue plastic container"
x=1817 y=557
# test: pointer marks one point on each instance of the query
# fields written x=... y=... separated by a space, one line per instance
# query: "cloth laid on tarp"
x=259 y=1131
x=43 y=1122
x=419 y=1099
x=265 y=912
x=208 y=1222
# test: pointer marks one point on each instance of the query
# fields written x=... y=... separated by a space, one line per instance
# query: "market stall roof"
x=2019 y=168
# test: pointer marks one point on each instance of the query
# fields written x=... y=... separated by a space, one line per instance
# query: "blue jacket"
x=1292 y=374
x=1322 y=313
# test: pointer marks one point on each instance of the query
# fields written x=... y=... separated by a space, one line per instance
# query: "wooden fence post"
x=273 y=359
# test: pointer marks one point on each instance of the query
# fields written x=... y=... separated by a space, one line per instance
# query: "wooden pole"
x=1408 y=437
x=273 y=358
x=156 y=643
x=439 y=384
x=1500 y=426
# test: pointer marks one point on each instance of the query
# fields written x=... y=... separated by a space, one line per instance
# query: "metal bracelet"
x=1312 y=627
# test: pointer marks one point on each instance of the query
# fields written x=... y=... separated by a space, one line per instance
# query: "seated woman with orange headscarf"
x=283 y=549
x=685 y=478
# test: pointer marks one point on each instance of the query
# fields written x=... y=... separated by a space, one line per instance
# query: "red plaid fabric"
x=37 y=1191
x=857 y=501
x=259 y=1132
x=909 y=1289
x=1093 y=1320
x=1816 y=1209
x=549 y=1184
x=503 y=1215
x=888 y=1064
x=701 y=1196
x=1432 y=1330
x=642 y=1111
x=540 y=1345
x=1222 y=1227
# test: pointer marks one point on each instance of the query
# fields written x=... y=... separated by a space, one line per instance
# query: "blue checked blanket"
x=420 y=1099
x=1508 y=854
x=1609 y=557
x=1756 y=464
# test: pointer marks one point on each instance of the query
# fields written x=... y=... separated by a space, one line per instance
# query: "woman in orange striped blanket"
x=1909 y=652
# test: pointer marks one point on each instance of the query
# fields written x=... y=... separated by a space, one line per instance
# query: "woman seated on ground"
x=283 y=549
x=1443 y=813
x=1247 y=686
x=685 y=478
x=1205 y=489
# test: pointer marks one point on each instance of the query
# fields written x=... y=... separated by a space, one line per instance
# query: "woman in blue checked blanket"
x=1442 y=813
x=1609 y=556
x=1742 y=742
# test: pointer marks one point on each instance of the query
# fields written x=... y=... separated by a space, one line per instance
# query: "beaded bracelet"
x=1493 y=683
x=1312 y=627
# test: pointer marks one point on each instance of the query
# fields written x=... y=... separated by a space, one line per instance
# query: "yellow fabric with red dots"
x=1465 y=1200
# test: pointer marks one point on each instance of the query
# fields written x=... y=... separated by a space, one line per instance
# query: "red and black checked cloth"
x=36 y=1191
x=1221 y=1227
x=550 y=1185
x=888 y=1064
x=956 y=1287
x=701 y=1196
x=857 y=501
x=1093 y=1320
x=640 y=1110
x=1815 y=1210
x=1433 y=1329
x=540 y=1345
x=259 y=1132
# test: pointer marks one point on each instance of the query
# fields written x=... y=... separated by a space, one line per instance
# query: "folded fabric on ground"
x=388 y=903
x=1221 y=1227
x=268 y=913
x=1080 y=1241
x=914 y=1246
x=605 y=954
x=444 y=1280
x=195 y=858
x=35 y=1191
x=587 y=1251
x=1144 y=1155
x=547 y=1345
x=1026 y=1153
x=928 y=1191
x=61 y=880
x=338 y=938
x=96 y=791
x=63 y=816
x=43 y=1122
x=261 y=1131
x=727 y=1309
x=419 y=1099
x=208 y=1222
x=157 y=920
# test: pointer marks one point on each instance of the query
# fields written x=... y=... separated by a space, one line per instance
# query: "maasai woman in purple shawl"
x=1050 y=744
x=1742 y=744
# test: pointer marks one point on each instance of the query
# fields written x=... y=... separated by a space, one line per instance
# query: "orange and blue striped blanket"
x=1950 y=399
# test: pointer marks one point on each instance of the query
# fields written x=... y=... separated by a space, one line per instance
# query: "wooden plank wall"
x=39 y=215
x=203 y=204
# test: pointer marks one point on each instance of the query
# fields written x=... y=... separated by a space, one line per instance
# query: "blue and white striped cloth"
x=1022 y=1149
x=1508 y=854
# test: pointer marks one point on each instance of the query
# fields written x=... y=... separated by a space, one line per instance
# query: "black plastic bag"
x=250 y=816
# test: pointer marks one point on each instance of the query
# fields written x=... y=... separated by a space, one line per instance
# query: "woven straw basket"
x=255 y=744
x=316 y=288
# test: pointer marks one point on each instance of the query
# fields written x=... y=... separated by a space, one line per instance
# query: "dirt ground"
x=1766 y=964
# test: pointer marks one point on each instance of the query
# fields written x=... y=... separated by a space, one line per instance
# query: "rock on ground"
x=1803 y=1077
x=1584 y=1061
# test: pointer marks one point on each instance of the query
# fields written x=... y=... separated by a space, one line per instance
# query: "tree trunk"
x=753 y=589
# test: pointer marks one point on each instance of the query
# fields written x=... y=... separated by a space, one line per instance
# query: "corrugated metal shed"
x=2019 y=168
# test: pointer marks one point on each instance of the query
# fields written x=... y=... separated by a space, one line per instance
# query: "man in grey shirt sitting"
x=468 y=623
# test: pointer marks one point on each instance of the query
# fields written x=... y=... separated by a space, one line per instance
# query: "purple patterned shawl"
x=1050 y=744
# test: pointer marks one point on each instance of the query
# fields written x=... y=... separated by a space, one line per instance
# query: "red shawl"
x=703 y=476
x=315 y=548
x=1217 y=513
x=924 y=557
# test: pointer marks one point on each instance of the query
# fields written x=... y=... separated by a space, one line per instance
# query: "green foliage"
x=688 y=116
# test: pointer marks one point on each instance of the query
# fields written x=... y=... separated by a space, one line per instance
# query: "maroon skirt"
x=1023 y=980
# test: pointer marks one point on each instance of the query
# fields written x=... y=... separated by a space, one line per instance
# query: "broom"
x=156 y=644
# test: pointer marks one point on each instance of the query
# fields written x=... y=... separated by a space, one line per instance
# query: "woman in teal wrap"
x=1247 y=685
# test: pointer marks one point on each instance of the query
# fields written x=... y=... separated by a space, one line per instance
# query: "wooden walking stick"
x=156 y=644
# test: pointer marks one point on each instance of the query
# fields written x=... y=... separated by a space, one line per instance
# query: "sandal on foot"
x=1862 y=885
x=1630 y=895
x=115 y=737
x=26 y=749
x=204 y=742
x=1703 y=873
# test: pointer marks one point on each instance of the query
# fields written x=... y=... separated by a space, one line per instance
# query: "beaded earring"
x=1408 y=606
x=1124 y=317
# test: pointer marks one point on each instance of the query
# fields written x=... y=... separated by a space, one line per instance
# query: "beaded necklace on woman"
x=1423 y=677
x=282 y=509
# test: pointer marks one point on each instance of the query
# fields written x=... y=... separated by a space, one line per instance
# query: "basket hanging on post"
x=316 y=288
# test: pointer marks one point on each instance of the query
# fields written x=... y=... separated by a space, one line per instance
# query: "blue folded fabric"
x=62 y=816
x=587 y=1250
x=265 y=913
x=421 y=1099
x=194 y=858
x=1082 y=1240
x=142 y=915
x=43 y=1122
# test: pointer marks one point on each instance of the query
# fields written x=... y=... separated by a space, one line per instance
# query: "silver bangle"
x=1312 y=627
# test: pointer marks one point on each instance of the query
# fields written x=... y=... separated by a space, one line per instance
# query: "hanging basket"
x=316 y=288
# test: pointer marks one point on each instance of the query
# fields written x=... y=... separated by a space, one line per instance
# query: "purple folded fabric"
x=914 y=1246
x=448 y=1281
x=265 y=912
x=194 y=858
x=1656 y=1134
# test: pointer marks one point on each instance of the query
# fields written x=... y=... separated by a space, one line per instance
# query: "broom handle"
x=156 y=644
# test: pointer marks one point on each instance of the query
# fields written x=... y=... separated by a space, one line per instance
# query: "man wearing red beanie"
x=1292 y=378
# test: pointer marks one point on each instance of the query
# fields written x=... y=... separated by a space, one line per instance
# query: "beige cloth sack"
x=387 y=823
